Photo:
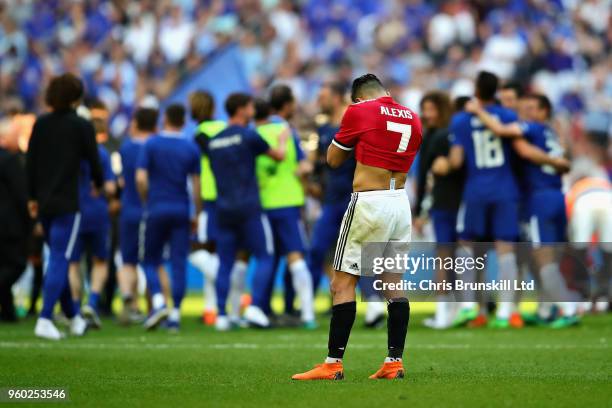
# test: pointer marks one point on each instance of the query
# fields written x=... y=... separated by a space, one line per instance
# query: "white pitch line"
x=268 y=346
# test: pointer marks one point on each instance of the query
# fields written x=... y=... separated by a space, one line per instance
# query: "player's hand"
x=418 y=224
x=38 y=230
x=114 y=207
x=95 y=192
x=561 y=164
x=440 y=166
x=304 y=168
x=472 y=106
x=33 y=208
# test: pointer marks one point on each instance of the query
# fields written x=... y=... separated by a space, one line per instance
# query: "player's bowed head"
x=367 y=87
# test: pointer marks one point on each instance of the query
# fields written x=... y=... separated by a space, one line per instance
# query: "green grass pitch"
x=533 y=367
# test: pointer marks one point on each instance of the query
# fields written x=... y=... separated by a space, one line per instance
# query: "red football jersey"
x=383 y=133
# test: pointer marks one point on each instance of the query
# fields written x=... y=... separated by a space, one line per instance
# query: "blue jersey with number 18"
x=488 y=158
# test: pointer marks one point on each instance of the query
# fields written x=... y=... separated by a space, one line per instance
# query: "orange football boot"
x=516 y=321
x=389 y=371
x=480 y=321
x=209 y=317
x=325 y=371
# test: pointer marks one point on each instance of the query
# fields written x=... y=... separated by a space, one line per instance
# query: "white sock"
x=468 y=297
x=175 y=315
x=442 y=315
x=158 y=301
x=208 y=264
x=210 y=291
x=330 y=360
x=302 y=283
x=555 y=288
x=508 y=270
x=544 y=310
x=392 y=359
x=237 y=285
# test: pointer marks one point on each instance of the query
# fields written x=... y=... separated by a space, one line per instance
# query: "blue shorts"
x=208 y=223
x=497 y=220
x=61 y=233
x=252 y=233
x=96 y=240
x=162 y=229
x=287 y=229
x=444 y=224
x=547 y=217
x=130 y=236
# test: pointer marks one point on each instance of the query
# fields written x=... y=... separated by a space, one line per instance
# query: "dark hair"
x=459 y=103
x=442 y=103
x=514 y=86
x=201 y=105
x=280 y=95
x=99 y=125
x=63 y=91
x=175 y=115
x=262 y=109
x=236 y=101
x=96 y=104
x=543 y=103
x=336 y=88
x=146 y=119
x=486 y=85
x=364 y=84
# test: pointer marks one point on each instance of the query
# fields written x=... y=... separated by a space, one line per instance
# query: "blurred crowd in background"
x=133 y=53
x=127 y=50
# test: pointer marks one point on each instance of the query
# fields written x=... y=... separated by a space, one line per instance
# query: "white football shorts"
x=592 y=214
x=372 y=216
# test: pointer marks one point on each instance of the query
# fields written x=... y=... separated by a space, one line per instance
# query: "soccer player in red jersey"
x=385 y=137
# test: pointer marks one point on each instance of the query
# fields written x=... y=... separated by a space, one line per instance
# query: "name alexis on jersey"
x=396 y=113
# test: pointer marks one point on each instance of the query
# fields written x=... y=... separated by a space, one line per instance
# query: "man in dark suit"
x=14 y=221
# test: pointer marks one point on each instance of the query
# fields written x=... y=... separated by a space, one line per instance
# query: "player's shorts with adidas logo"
x=372 y=216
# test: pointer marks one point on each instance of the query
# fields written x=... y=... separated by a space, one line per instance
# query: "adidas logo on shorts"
x=354 y=267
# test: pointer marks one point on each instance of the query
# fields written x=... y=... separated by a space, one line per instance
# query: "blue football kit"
x=95 y=219
x=241 y=222
x=489 y=208
x=169 y=160
x=544 y=199
x=130 y=220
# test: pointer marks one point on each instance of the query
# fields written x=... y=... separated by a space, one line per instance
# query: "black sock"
x=397 y=326
x=343 y=317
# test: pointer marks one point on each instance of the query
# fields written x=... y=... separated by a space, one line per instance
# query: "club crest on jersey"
x=396 y=113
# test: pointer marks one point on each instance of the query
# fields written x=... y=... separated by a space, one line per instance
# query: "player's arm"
x=305 y=166
x=142 y=174
x=346 y=139
x=196 y=187
x=337 y=155
x=538 y=156
x=491 y=122
x=278 y=153
x=110 y=186
x=456 y=157
x=91 y=154
x=142 y=183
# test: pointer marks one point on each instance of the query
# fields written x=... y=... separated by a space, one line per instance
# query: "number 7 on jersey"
x=406 y=132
